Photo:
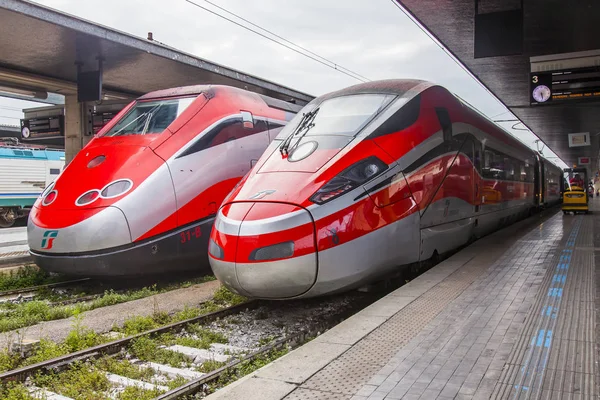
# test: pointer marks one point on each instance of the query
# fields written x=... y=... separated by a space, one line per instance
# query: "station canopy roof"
x=40 y=48
x=528 y=28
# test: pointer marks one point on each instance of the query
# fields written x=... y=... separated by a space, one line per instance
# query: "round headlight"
x=87 y=198
x=50 y=197
x=116 y=188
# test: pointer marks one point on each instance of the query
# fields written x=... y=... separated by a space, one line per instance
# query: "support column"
x=73 y=127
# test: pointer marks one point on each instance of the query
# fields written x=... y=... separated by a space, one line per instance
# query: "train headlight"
x=276 y=251
x=116 y=188
x=49 y=197
x=88 y=197
x=350 y=178
x=215 y=250
x=47 y=190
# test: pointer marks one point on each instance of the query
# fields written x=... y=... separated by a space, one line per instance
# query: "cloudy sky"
x=371 y=37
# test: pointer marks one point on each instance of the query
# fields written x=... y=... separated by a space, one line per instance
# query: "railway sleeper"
x=169 y=371
x=40 y=393
x=199 y=356
x=122 y=382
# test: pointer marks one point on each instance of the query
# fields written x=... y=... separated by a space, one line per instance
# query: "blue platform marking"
x=555 y=292
x=550 y=311
x=542 y=340
x=563 y=266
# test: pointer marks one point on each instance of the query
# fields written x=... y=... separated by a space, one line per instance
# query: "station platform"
x=13 y=246
x=512 y=316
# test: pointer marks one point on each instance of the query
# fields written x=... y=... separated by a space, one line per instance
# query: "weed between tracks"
x=25 y=277
x=88 y=381
x=20 y=315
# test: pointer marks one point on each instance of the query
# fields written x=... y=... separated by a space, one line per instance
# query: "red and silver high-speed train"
x=141 y=197
x=367 y=179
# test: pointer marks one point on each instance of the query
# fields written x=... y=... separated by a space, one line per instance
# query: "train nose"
x=105 y=229
x=264 y=250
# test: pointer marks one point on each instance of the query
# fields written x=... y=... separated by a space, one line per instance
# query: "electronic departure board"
x=569 y=85
x=43 y=127
x=99 y=119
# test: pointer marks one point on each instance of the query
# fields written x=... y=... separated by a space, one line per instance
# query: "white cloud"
x=373 y=38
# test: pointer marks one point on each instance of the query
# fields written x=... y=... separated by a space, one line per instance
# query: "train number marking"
x=194 y=233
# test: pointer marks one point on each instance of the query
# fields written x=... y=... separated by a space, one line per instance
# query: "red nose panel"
x=276 y=256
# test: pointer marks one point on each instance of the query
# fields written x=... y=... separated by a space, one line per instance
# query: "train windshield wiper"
x=304 y=125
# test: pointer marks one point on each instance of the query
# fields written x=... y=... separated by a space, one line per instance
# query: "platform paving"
x=513 y=316
x=13 y=246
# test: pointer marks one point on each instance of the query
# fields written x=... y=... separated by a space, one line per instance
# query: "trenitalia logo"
x=48 y=239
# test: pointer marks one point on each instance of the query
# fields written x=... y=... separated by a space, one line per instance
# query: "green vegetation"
x=80 y=381
x=147 y=349
x=125 y=368
x=13 y=391
x=210 y=365
x=8 y=361
x=78 y=339
x=25 y=277
x=30 y=313
x=144 y=348
x=203 y=338
x=137 y=393
x=225 y=296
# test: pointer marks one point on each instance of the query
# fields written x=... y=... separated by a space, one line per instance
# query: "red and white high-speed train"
x=141 y=197
x=367 y=179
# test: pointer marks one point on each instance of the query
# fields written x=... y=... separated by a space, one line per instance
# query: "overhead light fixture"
x=112 y=96
x=23 y=92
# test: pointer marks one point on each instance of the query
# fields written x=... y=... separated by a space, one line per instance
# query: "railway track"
x=33 y=289
x=208 y=350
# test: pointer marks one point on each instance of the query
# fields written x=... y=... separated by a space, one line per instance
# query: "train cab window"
x=150 y=117
x=226 y=131
x=344 y=115
x=445 y=123
x=467 y=149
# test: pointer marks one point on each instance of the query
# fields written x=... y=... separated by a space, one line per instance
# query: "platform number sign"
x=540 y=86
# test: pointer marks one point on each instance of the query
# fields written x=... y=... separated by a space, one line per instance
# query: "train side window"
x=445 y=123
x=226 y=131
x=236 y=130
x=54 y=171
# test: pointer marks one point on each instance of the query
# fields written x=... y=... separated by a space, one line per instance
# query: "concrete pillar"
x=73 y=127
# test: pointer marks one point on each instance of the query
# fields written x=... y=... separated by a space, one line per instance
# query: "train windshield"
x=150 y=117
x=345 y=115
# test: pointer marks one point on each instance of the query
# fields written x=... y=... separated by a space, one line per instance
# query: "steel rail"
x=298 y=338
x=46 y=286
x=58 y=363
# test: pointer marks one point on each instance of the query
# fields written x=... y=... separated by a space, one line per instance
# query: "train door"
x=538 y=182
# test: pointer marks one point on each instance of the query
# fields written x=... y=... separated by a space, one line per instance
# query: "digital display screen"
x=577 y=84
x=43 y=127
x=99 y=119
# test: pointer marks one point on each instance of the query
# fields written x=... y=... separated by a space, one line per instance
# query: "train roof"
x=387 y=86
x=198 y=89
